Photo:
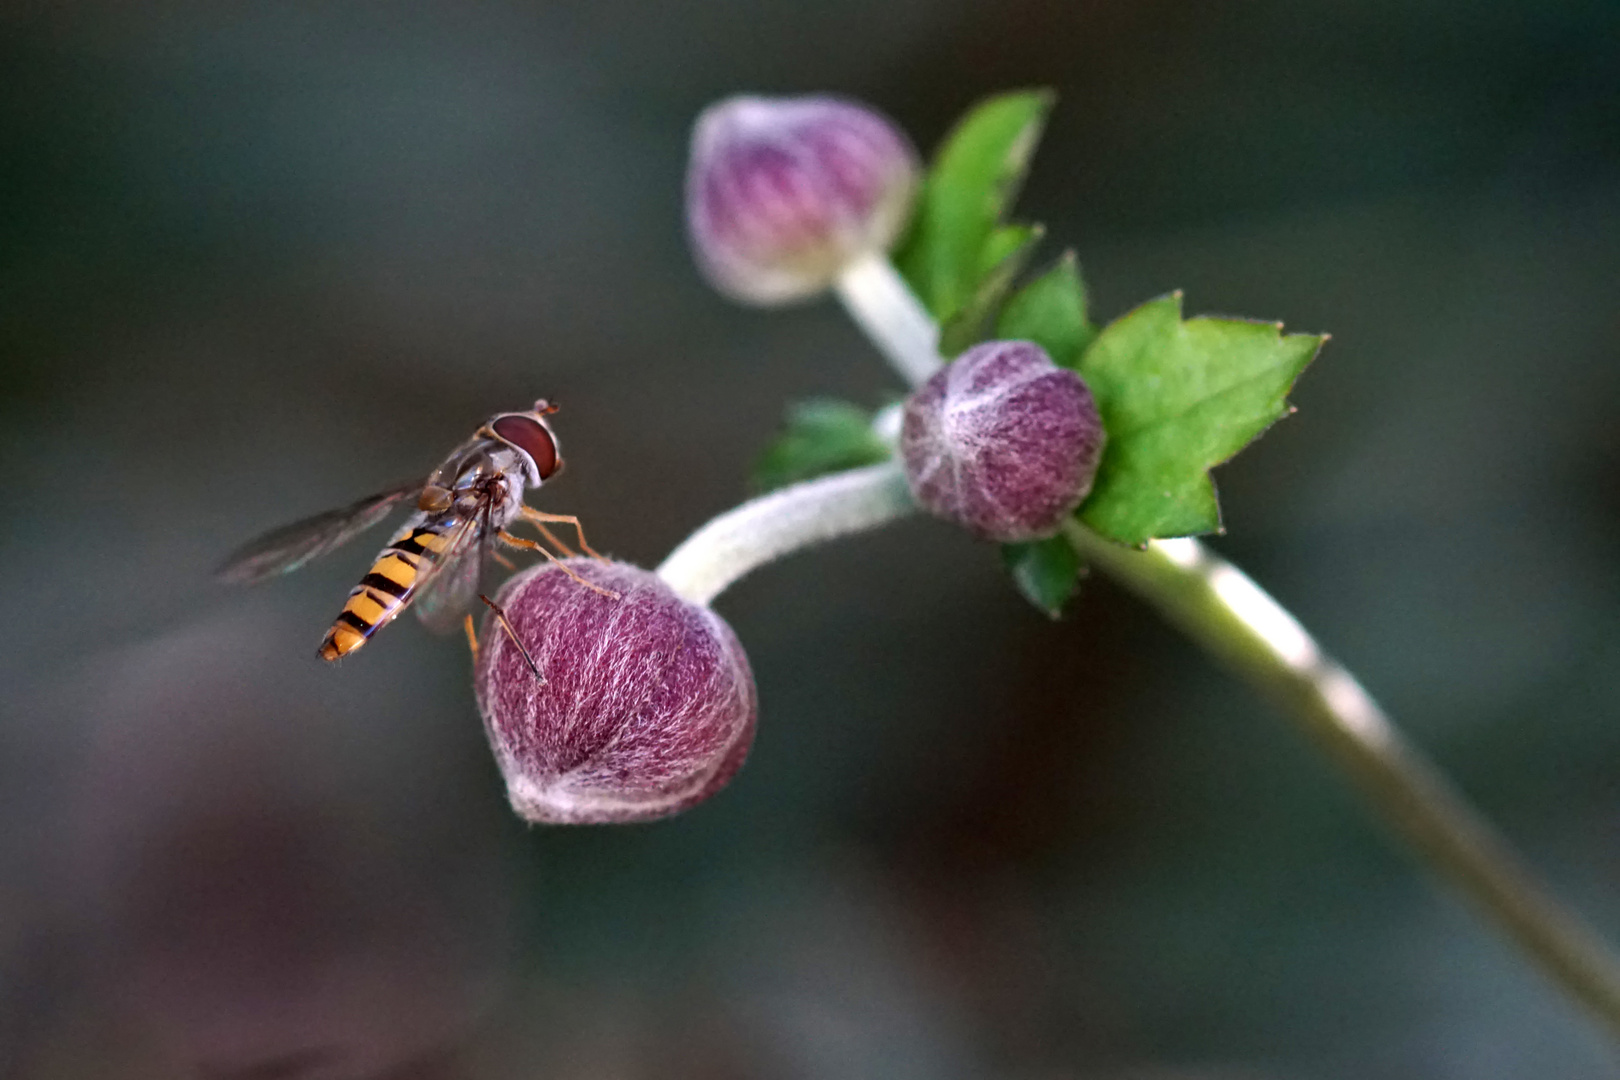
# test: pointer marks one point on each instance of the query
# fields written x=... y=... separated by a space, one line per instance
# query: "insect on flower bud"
x=1002 y=441
x=648 y=704
x=782 y=194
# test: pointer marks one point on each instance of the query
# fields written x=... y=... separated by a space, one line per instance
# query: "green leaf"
x=1004 y=242
x=966 y=194
x=1013 y=245
x=1178 y=397
x=1045 y=571
x=1051 y=312
x=822 y=436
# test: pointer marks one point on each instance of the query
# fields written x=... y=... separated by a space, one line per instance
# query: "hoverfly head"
x=530 y=435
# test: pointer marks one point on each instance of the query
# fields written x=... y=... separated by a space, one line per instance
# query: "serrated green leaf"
x=822 y=436
x=966 y=194
x=1045 y=571
x=1051 y=312
x=1178 y=397
x=970 y=325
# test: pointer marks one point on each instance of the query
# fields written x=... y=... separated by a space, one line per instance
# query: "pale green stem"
x=880 y=303
x=1226 y=613
x=771 y=526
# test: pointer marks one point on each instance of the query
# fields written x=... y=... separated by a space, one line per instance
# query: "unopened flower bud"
x=1002 y=441
x=647 y=705
x=782 y=194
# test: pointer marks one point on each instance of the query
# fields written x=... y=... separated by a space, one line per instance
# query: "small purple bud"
x=1002 y=441
x=648 y=705
x=782 y=194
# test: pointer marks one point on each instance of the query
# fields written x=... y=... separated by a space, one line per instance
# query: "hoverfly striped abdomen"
x=389 y=585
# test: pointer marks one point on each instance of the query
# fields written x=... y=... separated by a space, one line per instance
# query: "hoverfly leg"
x=472 y=635
x=502 y=559
x=540 y=518
x=551 y=538
x=530 y=545
x=500 y=617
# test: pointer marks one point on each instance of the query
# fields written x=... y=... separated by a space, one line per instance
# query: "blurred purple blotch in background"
x=249 y=888
x=257 y=260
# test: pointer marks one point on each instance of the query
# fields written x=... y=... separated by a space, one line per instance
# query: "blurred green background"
x=257 y=260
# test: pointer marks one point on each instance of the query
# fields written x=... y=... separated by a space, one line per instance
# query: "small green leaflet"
x=1051 y=312
x=822 y=436
x=1004 y=242
x=1045 y=572
x=1177 y=398
x=965 y=196
x=1012 y=246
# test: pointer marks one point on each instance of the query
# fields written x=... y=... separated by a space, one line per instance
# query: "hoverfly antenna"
x=544 y=406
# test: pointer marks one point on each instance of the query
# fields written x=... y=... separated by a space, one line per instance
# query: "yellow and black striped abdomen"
x=387 y=588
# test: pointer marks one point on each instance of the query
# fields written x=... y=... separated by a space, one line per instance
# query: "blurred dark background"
x=257 y=260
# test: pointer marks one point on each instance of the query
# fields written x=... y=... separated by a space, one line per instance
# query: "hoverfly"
x=435 y=560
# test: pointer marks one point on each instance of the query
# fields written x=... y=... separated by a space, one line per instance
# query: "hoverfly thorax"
x=435 y=499
x=486 y=490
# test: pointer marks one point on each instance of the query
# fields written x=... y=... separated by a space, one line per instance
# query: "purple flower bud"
x=782 y=194
x=1003 y=442
x=648 y=704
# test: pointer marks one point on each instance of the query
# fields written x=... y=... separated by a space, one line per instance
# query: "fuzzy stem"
x=1224 y=611
x=883 y=306
x=767 y=528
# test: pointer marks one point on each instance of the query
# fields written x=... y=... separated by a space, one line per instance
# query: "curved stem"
x=1225 y=612
x=883 y=306
x=767 y=528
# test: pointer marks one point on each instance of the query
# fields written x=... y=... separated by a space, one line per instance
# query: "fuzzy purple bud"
x=782 y=194
x=1002 y=441
x=648 y=704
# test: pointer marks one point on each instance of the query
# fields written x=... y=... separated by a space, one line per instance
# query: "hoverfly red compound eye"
x=532 y=438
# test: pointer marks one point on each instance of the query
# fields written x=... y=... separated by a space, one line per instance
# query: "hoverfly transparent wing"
x=291 y=546
x=448 y=587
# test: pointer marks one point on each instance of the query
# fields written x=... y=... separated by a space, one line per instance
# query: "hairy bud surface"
x=1002 y=442
x=648 y=704
x=782 y=194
